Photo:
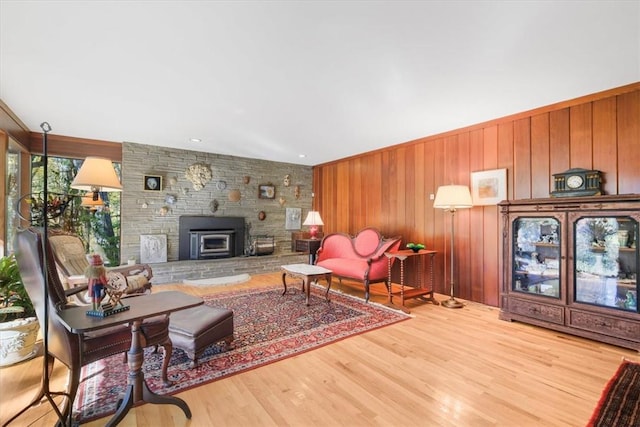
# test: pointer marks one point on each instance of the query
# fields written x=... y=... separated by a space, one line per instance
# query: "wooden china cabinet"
x=571 y=264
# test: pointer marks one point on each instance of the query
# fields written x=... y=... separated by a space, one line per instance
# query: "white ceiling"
x=329 y=79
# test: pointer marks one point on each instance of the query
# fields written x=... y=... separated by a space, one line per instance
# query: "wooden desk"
x=418 y=291
x=76 y=320
x=309 y=246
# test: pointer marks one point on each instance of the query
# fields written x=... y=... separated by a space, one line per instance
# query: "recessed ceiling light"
x=195 y=140
x=302 y=156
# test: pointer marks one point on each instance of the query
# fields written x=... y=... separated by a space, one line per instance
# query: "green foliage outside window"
x=100 y=229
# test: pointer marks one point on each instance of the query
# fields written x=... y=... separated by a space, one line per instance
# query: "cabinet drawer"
x=546 y=312
x=607 y=325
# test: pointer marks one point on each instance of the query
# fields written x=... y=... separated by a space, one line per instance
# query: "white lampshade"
x=313 y=218
x=453 y=197
x=97 y=174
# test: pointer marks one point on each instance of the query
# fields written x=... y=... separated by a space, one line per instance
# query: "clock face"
x=574 y=181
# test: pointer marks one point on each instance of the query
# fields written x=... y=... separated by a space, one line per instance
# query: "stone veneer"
x=177 y=271
x=139 y=160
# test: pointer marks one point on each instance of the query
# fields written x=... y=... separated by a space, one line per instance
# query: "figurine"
x=96 y=273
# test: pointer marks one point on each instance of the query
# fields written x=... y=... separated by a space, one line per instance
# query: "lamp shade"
x=453 y=197
x=313 y=218
x=97 y=174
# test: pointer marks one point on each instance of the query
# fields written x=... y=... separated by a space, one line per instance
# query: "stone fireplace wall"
x=152 y=212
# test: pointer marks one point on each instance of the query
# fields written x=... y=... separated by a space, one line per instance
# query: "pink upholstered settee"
x=359 y=258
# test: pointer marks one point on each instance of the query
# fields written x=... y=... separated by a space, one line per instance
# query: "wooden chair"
x=74 y=350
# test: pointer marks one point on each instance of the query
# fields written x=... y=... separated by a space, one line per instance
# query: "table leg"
x=284 y=283
x=306 y=282
x=328 y=279
x=137 y=388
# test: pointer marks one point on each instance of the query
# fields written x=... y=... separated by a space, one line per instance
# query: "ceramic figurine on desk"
x=96 y=274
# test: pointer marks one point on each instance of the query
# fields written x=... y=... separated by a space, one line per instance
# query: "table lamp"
x=313 y=220
x=451 y=198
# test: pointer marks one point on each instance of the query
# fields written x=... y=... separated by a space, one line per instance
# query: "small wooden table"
x=308 y=273
x=76 y=320
x=309 y=246
x=419 y=291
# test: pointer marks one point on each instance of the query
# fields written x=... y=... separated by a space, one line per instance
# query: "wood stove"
x=209 y=237
x=211 y=244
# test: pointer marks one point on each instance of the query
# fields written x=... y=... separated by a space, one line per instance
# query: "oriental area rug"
x=268 y=327
x=619 y=404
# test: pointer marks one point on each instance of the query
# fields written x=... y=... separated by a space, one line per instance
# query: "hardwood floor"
x=443 y=367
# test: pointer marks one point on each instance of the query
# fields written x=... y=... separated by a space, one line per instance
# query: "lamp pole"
x=452 y=302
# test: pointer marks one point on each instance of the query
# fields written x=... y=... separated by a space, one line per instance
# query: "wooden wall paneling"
x=441 y=229
x=463 y=241
x=540 y=171
x=330 y=199
x=629 y=143
x=605 y=142
x=522 y=159
x=13 y=126
x=451 y=177
x=344 y=197
x=402 y=209
x=388 y=188
x=374 y=180
x=580 y=136
x=357 y=215
x=419 y=233
x=429 y=212
x=559 y=159
x=75 y=148
x=498 y=144
x=505 y=155
x=558 y=137
x=476 y=229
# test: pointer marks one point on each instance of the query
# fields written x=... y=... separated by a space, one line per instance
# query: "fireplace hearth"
x=209 y=237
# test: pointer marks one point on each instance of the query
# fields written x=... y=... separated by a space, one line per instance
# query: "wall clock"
x=577 y=182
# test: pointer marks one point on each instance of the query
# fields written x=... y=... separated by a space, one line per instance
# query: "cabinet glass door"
x=606 y=262
x=536 y=256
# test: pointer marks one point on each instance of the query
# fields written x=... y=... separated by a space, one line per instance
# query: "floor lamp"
x=451 y=198
x=45 y=391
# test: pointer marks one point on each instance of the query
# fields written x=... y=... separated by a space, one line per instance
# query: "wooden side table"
x=407 y=292
x=309 y=246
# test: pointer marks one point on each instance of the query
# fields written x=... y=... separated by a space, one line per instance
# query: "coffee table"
x=308 y=273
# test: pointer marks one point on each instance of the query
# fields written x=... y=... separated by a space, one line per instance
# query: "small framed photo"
x=152 y=183
x=489 y=187
x=266 y=191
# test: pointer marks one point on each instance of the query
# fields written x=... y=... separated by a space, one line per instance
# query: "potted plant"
x=415 y=247
x=18 y=324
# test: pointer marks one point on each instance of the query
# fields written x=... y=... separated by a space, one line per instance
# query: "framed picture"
x=293 y=219
x=152 y=183
x=267 y=191
x=153 y=248
x=489 y=187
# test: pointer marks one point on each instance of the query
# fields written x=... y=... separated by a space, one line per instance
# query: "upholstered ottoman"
x=194 y=329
